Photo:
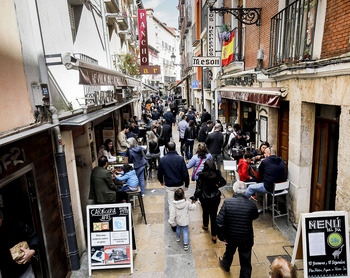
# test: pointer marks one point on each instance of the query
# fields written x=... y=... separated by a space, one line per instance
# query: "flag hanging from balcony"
x=227 y=50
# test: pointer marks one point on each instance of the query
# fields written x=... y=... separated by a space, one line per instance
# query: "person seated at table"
x=272 y=170
x=129 y=175
x=131 y=133
x=245 y=171
x=134 y=127
x=240 y=140
x=260 y=153
x=107 y=150
x=153 y=151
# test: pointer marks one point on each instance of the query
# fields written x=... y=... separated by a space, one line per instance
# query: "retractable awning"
x=95 y=75
x=83 y=119
x=149 y=88
x=178 y=83
x=263 y=96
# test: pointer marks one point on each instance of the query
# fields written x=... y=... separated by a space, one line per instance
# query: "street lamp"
x=173 y=57
x=248 y=16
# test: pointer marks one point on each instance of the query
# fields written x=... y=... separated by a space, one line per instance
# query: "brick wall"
x=336 y=37
x=269 y=9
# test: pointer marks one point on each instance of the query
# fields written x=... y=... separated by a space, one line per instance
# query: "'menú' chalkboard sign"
x=109 y=236
x=325 y=245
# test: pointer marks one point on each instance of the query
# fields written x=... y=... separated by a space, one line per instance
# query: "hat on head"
x=240 y=132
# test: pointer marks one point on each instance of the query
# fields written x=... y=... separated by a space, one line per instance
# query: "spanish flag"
x=227 y=50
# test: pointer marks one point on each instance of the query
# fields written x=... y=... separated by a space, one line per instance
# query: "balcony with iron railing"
x=188 y=15
x=292 y=33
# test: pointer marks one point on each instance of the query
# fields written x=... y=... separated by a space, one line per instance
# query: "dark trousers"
x=182 y=148
x=210 y=209
x=245 y=254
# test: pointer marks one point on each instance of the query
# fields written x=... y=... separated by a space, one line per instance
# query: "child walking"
x=128 y=175
x=181 y=216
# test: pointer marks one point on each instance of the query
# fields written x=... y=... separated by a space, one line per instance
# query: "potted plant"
x=128 y=63
x=225 y=33
x=307 y=54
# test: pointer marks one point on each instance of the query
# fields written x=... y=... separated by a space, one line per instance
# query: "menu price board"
x=109 y=236
x=325 y=244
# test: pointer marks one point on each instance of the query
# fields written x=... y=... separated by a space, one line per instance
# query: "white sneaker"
x=143 y=195
x=177 y=239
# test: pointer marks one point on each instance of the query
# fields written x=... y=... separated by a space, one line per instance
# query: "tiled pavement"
x=159 y=255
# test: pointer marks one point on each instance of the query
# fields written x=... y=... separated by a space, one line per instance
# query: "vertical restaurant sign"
x=142 y=19
x=211 y=33
x=124 y=7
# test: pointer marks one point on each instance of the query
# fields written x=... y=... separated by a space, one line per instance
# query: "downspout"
x=105 y=33
x=73 y=251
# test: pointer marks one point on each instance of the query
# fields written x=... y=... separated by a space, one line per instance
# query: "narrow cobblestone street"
x=159 y=255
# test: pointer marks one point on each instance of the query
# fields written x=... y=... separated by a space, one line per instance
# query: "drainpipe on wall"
x=105 y=33
x=73 y=251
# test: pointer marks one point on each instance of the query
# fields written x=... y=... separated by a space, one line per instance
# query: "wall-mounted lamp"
x=173 y=57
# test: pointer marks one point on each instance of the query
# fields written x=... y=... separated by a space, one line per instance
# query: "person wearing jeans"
x=136 y=156
x=215 y=142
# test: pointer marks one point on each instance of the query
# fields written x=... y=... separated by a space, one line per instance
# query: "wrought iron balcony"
x=292 y=33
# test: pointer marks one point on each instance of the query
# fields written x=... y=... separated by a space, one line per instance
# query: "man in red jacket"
x=245 y=172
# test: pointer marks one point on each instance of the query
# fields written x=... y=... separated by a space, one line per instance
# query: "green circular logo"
x=335 y=240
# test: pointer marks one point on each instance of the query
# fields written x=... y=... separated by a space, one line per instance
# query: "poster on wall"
x=263 y=128
x=109 y=236
x=322 y=242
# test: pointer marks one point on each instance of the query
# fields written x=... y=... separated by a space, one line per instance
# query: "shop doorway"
x=324 y=176
x=19 y=197
x=247 y=119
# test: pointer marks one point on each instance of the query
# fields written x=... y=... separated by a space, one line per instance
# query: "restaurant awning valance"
x=263 y=96
x=83 y=119
x=95 y=75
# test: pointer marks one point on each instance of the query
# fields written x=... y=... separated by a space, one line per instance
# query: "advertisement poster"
x=109 y=236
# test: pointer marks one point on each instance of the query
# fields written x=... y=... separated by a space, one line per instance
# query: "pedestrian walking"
x=235 y=229
x=207 y=191
x=198 y=160
x=214 y=143
x=173 y=174
x=136 y=156
x=190 y=135
x=180 y=215
x=182 y=126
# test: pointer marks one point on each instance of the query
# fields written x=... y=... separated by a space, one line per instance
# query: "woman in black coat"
x=207 y=191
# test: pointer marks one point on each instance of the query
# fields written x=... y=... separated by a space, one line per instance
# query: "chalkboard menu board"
x=325 y=239
x=109 y=236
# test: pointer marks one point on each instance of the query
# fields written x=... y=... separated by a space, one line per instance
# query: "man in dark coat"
x=173 y=174
x=205 y=116
x=235 y=229
x=203 y=132
x=168 y=116
x=168 y=132
x=272 y=170
x=214 y=142
x=102 y=188
x=190 y=116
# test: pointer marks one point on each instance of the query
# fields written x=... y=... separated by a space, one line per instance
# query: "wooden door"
x=324 y=175
x=318 y=189
x=283 y=132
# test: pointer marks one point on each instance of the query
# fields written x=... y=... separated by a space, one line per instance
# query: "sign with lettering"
x=142 y=21
x=211 y=34
x=325 y=244
x=150 y=70
x=206 y=61
x=109 y=236
x=195 y=84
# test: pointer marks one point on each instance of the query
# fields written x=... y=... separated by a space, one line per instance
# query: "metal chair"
x=137 y=193
x=230 y=166
x=281 y=188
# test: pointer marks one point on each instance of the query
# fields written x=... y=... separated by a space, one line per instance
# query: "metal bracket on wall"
x=248 y=16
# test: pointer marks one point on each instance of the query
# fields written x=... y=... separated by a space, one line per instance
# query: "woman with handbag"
x=197 y=161
x=207 y=191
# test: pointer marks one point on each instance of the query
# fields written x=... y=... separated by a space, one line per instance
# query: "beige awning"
x=95 y=75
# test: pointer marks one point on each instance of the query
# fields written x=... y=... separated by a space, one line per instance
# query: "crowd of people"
x=233 y=223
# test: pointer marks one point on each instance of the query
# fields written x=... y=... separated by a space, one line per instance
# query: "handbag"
x=194 y=173
x=16 y=251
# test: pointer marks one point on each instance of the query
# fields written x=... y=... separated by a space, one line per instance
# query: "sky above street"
x=164 y=10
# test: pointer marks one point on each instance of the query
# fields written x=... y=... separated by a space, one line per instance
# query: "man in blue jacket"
x=173 y=174
x=272 y=169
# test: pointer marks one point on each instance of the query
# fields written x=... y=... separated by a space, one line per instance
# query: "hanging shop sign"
x=322 y=242
x=109 y=236
x=142 y=21
x=150 y=70
x=206 y=62
x=211 y=34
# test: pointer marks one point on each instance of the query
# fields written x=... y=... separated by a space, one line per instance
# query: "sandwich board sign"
x=322 y=242
x=109 y=232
